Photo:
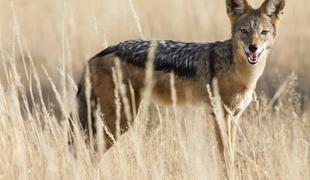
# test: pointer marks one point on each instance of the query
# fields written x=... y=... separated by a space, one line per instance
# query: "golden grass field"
x=45 y=44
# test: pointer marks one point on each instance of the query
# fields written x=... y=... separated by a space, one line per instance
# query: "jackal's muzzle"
x=253 y=56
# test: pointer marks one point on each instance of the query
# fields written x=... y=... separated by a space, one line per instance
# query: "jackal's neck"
x=244 y=72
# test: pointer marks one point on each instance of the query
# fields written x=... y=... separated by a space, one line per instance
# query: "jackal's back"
x=186 y=59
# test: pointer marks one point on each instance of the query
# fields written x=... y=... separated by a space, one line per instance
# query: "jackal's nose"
x=253 y=48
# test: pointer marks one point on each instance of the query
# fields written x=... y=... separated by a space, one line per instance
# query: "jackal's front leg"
x=232 y=120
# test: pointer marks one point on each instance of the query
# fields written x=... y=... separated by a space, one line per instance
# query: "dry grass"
x=44 y=45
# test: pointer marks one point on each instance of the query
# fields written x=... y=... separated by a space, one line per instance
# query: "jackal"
x=236 y=63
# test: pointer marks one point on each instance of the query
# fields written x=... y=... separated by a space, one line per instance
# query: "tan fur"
x=103 y=89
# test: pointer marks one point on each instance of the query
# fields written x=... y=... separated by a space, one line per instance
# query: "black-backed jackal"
x=236 y=63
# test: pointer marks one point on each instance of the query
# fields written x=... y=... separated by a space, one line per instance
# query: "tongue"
x=253 y=56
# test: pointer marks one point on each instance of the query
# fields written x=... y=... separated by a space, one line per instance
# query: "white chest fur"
x=241 y=100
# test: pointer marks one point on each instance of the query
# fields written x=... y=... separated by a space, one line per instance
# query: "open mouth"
x=253 y=57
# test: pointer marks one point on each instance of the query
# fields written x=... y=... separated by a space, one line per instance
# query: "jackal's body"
x=237 y=64
x=195 y=65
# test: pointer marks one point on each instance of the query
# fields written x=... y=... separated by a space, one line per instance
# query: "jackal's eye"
x=244 y=31
x=265 y=32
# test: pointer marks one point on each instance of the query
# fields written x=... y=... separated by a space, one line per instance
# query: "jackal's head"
x=254 y=30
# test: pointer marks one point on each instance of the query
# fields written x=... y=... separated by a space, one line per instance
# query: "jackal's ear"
x=272 y=7
x=236 y=8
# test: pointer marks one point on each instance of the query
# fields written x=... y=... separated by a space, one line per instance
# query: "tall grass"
x=162 y=144
x=43 y=47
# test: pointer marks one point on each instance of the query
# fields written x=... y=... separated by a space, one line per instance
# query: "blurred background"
x=62 y=35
